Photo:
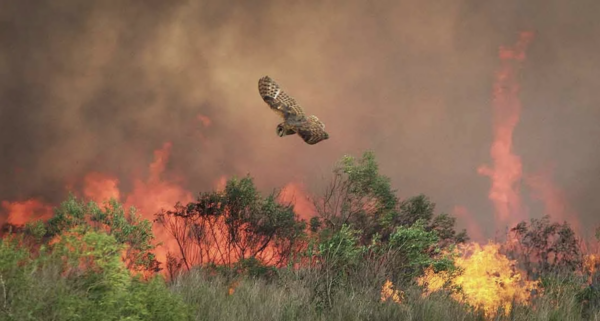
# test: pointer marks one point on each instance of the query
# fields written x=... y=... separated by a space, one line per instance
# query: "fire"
x=294 y=193
x=232 y=287
x=154 y=194
x=388 y=292
x=100 y=188
x=506 y=172
x=591 y=262
x=432 y=281
x=489 y=280
x=29 y=210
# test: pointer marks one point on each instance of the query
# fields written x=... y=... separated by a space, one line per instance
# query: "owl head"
x=280 y=130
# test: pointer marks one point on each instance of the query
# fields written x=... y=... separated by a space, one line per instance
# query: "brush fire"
x=486 y=277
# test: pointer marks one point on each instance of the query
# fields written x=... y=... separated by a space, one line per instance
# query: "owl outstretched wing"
x=278 y=100
x=312 y=131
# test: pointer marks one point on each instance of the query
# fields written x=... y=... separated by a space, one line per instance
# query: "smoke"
x=97 y=87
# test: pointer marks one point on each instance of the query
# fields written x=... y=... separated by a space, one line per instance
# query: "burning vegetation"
x=488 y=280
x=158 y=253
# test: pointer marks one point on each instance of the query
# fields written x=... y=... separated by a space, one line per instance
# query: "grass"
x=291 y=298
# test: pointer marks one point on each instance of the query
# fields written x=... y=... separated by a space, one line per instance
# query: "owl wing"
x=278 y=100
x=312 y=130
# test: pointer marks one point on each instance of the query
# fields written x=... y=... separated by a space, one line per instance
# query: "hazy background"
x=100 y=85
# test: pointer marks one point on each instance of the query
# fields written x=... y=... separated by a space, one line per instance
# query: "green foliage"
x=254 y=268
x=420 y=208
x=414 y=250
x=589 y=298
x=414 y=209
x=80 y=277
x=333 y=260
x=14 y=275
x=443 y=225
x=360 y=196
x=128 y=229
x=369 y=234
x=341 y=250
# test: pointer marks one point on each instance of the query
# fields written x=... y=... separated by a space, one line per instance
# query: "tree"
x=543 y=246
x=80 y=275
x=236 y=224
x=357 y=195
x=360 y=196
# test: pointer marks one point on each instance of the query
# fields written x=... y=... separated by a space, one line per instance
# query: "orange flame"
x=20 y=213
x=506 y=171
x=232 y=287
x=489 y=280
x=591 y=262
x=388 y=292
x=99 y=187
x=294 y=193
x=154 y=194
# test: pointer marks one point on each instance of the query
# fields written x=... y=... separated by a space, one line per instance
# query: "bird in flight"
x=309 y=128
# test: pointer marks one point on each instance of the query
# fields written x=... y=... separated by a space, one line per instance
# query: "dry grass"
x=291 y=298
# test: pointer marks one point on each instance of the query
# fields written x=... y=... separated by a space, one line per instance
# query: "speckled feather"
x=310 y=128
x=278 y=100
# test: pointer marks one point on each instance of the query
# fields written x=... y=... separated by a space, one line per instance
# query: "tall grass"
x=291 y=296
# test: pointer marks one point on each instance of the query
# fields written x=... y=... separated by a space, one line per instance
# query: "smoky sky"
x=99 y=85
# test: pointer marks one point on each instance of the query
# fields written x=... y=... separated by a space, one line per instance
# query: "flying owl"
x=310 y=128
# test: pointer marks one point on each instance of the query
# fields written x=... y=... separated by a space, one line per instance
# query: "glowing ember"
x=388 y=292
x=232 y=287
x=506 y=171
x=489 y=280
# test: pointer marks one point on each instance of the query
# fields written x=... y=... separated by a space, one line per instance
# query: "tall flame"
x=154 y=194
x=506 y=171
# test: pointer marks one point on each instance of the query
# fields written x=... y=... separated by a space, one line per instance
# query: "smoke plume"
x=96 y=87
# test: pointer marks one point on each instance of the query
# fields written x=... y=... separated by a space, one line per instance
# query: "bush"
x=79 y=276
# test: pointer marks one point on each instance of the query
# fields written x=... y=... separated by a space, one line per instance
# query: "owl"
x=309 y=128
